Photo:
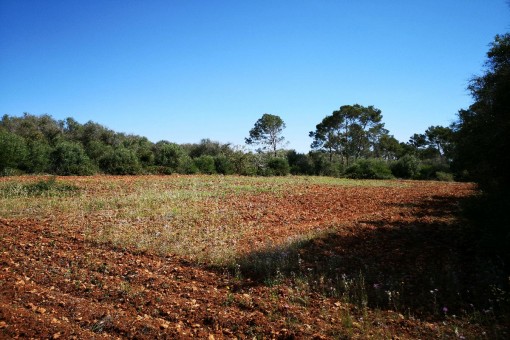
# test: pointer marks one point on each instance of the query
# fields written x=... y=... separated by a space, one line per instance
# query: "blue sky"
x=189 y=69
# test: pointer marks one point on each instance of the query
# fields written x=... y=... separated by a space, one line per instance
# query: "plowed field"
x=231 y=257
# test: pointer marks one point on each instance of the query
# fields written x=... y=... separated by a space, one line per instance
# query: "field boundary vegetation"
x=42 y=145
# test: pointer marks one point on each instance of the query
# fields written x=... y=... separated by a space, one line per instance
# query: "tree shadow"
x=424 y=265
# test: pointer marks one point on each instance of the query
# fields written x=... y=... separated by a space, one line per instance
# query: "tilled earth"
x=57 y=283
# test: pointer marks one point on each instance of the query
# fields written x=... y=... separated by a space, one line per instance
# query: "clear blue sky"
x=189 y=69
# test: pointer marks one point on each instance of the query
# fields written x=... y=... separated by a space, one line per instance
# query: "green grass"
x=184 y=215
x=45 y=188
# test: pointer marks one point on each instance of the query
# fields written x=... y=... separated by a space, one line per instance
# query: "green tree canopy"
x=435 y=143
x=168 y=155
x=267 y=132
x=483 y=130
x=120 y=161
x=13 y=150
x=353 y=131
x=69 y=158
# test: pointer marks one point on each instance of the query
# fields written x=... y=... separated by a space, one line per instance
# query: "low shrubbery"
x=278 y=167
x=42 y=145
x=369 y=169
x=406 y=167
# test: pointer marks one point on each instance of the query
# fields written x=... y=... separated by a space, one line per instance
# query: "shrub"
x=223 y=165
x=429 y=170
x=205 y=164
x=187 y=166
x=278 y=167
x=38 y=160
x=243 y=163
x=69 y=158
x=13 y=150
x=444 y=176
x=158 y=170
x=323 y=166
x=168 y=155
x=369 y=169
x=407 y=166
x=300 y=164
x=120 y=161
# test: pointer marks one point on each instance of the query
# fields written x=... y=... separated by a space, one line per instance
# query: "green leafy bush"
x=13 y=150
x=69 y=158
x=369 y=169
x=429 y=170
x=187 y=166
x=38 y=160
x=205 y=164
x=278 y=167
x=407 y=166
x=444 y=176
x=300 y=164
x=168 y=155
x=120 y=161
x=223 y=165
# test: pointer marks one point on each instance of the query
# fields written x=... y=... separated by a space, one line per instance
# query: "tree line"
x=341 y=142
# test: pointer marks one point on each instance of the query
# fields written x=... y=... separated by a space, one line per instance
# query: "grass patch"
x=47 y=188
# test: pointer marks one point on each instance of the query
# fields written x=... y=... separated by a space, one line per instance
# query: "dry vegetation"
x=225 y=257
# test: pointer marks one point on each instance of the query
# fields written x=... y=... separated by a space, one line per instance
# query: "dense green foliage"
x=267 y=132
x=278 y=166
x=13 y=151
x=483 y=130
x=482 y=141
x=41 y=144
x=407 y=166
x=352 y=132
x=369 y=169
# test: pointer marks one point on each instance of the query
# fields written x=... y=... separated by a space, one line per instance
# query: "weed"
x=46 y=188
x=102 y=325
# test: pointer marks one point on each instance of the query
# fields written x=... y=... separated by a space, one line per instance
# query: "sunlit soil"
x=225 y=256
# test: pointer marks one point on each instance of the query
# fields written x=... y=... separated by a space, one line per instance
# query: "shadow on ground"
x=421 y=265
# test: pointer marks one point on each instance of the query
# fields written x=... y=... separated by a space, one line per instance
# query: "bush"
x=300 y=164
x=168 y=155
x=429 y=170
x=407 y=166
x=120 y=161
x=278 y=167
x=13 y=151
x=444 y=176
x=69 y=158
x=38 y=160
x=369 y=169
x=223 y=165
x=187 y=166
x=205 y=164
x=243 y=163
x=322 y=166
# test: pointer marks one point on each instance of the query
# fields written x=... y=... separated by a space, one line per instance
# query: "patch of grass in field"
x=45 y=188
x=184 y=215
